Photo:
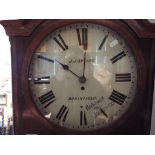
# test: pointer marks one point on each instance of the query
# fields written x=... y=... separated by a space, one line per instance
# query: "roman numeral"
x=61 y=42
x=42 y=80
x=83 y=120
x=126 y=77
x=103 y=41
x=47 y=99
x=62 y=114
x=79 y=37
x=84 y=39
x=117 y=97
x=118 y=57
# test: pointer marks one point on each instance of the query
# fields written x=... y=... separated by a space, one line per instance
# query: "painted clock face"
x=83 y=77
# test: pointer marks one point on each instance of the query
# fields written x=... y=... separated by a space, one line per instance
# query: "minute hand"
x=65 y=67
x=84 y=64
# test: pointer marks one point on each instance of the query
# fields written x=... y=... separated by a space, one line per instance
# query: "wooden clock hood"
x=24 y=27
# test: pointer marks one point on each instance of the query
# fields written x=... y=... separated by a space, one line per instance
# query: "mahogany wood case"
x=26 y=35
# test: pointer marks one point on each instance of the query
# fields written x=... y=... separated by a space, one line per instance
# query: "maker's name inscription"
x=93 y=104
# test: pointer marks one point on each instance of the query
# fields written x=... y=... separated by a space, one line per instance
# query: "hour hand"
x=65 y=67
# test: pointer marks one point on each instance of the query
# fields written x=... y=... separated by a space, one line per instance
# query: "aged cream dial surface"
x=83 y=77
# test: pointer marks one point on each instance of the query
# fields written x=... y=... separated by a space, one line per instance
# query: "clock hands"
x=82 y=79
x=65 y=67
x=84 y=64
x=103 y=112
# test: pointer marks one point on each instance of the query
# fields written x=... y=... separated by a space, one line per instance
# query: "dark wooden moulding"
x=26 y=35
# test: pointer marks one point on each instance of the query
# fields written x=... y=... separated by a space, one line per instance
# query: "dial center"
x=82 y=79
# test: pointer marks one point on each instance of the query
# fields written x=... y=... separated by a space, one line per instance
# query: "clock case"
x=26 y=35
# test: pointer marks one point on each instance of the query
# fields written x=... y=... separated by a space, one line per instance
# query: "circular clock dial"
x=83 y=77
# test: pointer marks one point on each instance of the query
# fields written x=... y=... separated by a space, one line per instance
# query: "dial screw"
x=82 y=88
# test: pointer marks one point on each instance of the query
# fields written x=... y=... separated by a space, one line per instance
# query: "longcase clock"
x=82 y=76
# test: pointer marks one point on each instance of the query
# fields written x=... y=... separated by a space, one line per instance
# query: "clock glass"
x=83 y=77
